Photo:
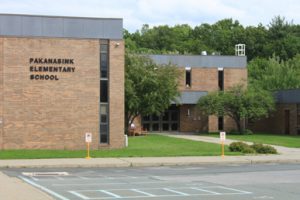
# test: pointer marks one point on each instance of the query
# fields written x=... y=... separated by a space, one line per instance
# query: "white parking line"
x=236 y=190
x=83 y=177
x=145 y=193
x=33 y=178
x=110 y=193
x=79 y=195
x=43 y=188
x=59 y=178
x=177 y=192
x=203 y=190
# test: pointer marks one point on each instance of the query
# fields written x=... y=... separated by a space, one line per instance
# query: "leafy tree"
x=238 y=103
x=272 y=74
x=280 y=37
x=149 y=88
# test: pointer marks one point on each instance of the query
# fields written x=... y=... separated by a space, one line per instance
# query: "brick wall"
x=203 y=79
x=233 y=76
x=275 y=123
x=116 y=95
x=1 y=92
x=44 y=114
x=195 y=122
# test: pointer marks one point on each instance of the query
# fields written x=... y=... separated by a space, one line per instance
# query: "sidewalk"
x=281 y=150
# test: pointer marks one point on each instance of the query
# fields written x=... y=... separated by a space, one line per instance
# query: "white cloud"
x=156 y=12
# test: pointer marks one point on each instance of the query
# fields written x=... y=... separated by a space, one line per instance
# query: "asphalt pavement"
x=210 y=182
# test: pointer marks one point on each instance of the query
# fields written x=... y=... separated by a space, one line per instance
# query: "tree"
x=238 y=103
x=272 y=74
x=149 y=88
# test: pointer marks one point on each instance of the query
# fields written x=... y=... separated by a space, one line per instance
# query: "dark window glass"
x=103 y=59
x=103 y=133
x=103 y=64
x=165 y=116
x=146 y=127
x=146 y=118
x=188 y=78
x=220 y=123
x=155 y=118
x=174 y=116
x=221 y=79
x=103 y=91
x=155 y=127
x=103 y=119
x=103 y=73
x=103 y=138
x=165 y=126
x=103 y=48
x=104 y=114
x=174 y=127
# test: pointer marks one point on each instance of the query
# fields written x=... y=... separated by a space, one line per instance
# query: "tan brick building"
x=200 y=74
x=285 y=119
x=61 y=77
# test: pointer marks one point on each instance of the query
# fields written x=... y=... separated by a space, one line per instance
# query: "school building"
x=200 y=74
x=286 y=117
x=61 y=77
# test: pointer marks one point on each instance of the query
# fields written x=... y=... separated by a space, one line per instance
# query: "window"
x=104 y=92
x=221 y=123
x=298 y=114
x=221 y=78
x=188 y=76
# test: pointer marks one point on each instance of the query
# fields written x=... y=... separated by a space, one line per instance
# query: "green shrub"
x=247 y=132
x=264 y=149
x=238 y=146
x=248 y=150
x=255 y=148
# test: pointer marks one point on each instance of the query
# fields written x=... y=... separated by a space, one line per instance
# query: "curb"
x=145 y=162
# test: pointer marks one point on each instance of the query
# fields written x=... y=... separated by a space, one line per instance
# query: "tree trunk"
x=238 y=124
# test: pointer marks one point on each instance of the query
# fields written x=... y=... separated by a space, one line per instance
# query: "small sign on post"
x=88 y=140
x=222 y=138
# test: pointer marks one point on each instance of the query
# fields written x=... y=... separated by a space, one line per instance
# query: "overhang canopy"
x=190 y=97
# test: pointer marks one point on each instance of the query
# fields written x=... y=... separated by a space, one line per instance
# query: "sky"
x=135 y=13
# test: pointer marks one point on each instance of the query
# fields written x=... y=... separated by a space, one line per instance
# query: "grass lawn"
x=140 y=146
x=265 y=138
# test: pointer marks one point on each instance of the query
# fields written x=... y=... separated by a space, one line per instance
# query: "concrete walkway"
x=281 y=150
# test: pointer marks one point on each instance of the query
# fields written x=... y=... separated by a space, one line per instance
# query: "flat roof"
x=60 y=26
x=201 y=60
x=288 y=96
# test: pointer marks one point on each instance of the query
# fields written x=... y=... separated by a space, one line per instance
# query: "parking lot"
x=142 y=183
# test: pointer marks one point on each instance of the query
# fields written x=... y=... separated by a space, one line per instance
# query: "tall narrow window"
x=104 y=92
x=188 y=77
x=221 y=78
x=221 y=123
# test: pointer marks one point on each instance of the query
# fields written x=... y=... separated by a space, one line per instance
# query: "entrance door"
x=168 y=121
x=287 y=122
